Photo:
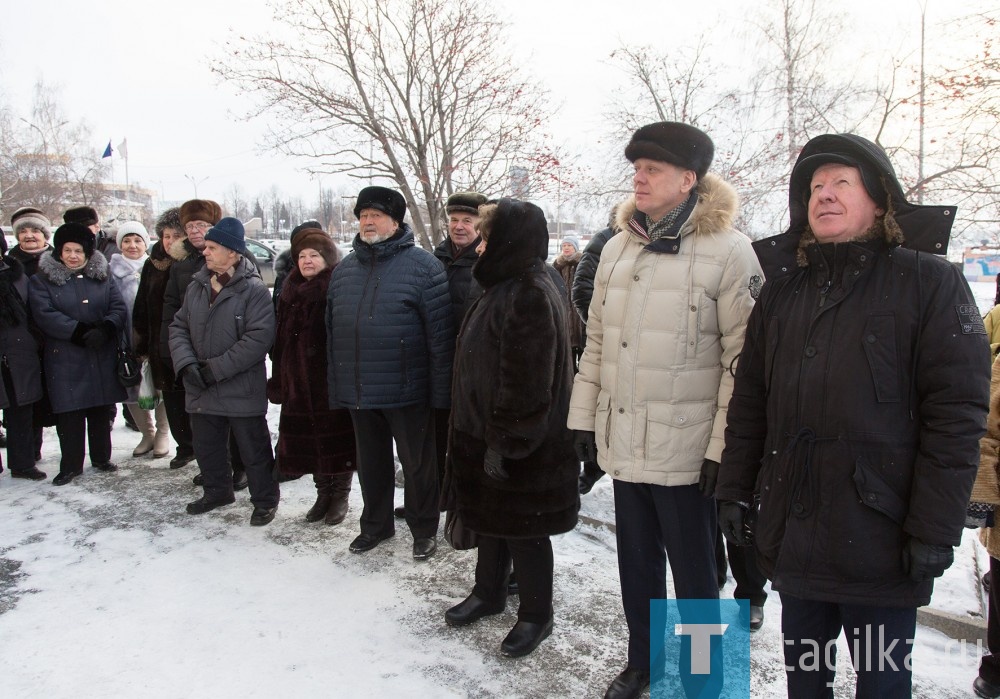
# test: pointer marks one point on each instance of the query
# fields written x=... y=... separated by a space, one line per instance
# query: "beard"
x=373 y=237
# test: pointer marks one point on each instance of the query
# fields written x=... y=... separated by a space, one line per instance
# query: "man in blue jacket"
x=390 y=344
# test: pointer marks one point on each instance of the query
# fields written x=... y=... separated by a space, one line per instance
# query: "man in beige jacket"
x=671 y=299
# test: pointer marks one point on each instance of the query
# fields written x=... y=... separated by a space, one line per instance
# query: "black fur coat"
x=511 y=386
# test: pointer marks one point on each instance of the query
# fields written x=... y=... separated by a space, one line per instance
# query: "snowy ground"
x=108 y=589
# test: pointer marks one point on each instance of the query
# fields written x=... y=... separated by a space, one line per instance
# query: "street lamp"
x=195 y=183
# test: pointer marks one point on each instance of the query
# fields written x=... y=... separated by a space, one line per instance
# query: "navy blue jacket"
x=390 y=333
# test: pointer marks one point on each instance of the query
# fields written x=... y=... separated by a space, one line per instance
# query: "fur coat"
x=312 y=438
x=147 y=313
x=566 y=266
x=512 y=380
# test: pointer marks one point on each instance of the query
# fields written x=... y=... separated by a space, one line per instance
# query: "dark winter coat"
x=312 y=438
x=147 y=315
x=282 y=268
x=63 y=303
x=583 y=280
x=28 y=260
x=390 y=327
x=567 y=268
x=512 y=382
x=232 y=336
x=459 y=270
x=859 y=399
x=18 y=346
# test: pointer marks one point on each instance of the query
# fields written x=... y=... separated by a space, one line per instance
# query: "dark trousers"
x=72 y=427
x=412 y=428
x=20 y=437
x=211 y=435
x=533 y=564
x=655 y=524
x=989 y=666
x=179 y=421
x=809 y=628
x=743 y=562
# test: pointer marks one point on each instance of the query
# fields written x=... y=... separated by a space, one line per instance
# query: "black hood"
x=517 y=240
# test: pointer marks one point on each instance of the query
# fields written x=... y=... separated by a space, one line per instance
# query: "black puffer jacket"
x=583 y=281
x=459 y=271
x=389 y=327
x=860 y=397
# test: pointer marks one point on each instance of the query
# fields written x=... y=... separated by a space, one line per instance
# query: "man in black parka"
x=853 y=431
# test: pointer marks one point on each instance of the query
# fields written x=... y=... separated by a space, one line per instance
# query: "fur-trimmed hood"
x=716 y=209
x=518 y=241
x=182 y=249
x=55 y=272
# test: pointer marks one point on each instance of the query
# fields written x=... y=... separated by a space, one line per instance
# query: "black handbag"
x=457 y=534
x=129 y=369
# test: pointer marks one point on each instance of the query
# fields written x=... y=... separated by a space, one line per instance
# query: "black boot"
x=340 y=491
x=324 y=498
x=590 y=475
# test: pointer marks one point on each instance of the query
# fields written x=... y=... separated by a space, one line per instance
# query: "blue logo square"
x=699 y=648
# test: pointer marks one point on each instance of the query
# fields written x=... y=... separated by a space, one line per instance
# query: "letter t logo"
x=701 y=644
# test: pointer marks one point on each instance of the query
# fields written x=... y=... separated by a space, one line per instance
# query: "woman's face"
x=169 y=236
x=568 y=250
x=73 y=256
x=310 y=263
x=31 y=239
x=133 y=246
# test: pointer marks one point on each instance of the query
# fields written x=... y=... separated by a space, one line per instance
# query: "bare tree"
x=420 y=93
x=236 y=202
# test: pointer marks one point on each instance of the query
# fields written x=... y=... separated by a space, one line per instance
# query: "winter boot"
x=161 y=440
x=324 y=498
x=144 y=425
x=341 y=490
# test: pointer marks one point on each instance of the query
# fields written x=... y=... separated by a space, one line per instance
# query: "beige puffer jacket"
x=663 y=331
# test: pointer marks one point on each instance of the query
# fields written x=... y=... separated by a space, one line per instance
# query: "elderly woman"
x=147 y=324
x=126 y=271
x=81 y=315
x=312 y=438
x=512 y=471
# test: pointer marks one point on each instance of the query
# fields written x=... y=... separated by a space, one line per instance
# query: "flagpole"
x=128 y=189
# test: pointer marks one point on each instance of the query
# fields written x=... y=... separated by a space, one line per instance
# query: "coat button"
x=616 y=472
x=871 y=339
x=871 y=497
x=624 y=344
x=810 y=352
x=635 y=278
x=694 y=309
x=621 y=411
x=798 y=508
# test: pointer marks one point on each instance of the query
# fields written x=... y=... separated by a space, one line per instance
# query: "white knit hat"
x=132 y=228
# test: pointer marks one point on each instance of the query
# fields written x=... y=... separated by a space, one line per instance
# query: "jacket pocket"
x=677 y=432
x=879 y=341
x=602 y=422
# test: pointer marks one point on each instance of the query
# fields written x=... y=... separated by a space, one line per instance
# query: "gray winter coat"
x=77 y=377
x=232 y=336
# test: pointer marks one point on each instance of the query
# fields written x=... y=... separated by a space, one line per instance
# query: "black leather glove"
x=206 y=374
x=709 y=475
x=923 y=561
x=585 y=445
x=79 y=331
x=95 y=338
x=493 y=465
x=733 y=522
x=191 y=375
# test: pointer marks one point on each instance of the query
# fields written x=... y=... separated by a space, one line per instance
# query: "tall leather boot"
x=161 y=440
x=341 y=490
x=324 y=498
x=144 y=425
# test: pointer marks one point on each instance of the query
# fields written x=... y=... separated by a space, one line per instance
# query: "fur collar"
x=121 y=267
x=182 y=249
x=717 y=207
x=561 y=261
x=55 y=272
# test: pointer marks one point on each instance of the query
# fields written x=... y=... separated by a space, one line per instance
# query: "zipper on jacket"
x=357 y=340
x=824 y=290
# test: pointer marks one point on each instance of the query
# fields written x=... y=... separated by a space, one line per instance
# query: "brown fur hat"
x=315 y=239
x=200 y=210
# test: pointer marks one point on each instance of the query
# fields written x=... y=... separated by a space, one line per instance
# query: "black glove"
x=709 y=475
x=585 y=444
x=79 y=331
x=192 y=375
x=206 y=374
x=493 y=465
x=923 y=561
x=733 y=522
x=95 y=338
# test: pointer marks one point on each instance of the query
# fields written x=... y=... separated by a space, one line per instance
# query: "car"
x=265 y=256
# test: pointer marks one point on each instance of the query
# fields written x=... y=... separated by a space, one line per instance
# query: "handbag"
x=457 y=534
x=129 y=369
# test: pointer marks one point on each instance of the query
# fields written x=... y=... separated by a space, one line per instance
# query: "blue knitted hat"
x=229 y=233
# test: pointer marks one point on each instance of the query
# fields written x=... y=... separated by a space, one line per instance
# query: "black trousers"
x=72 y=427
x=412 y=429
x=989 y=666
x=743 y=562
x=179 y=421
x=655 y=524
x=212 y=434
x=533 y=564
x=810 y=630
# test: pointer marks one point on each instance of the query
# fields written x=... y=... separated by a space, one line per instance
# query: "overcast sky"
x=141 y=71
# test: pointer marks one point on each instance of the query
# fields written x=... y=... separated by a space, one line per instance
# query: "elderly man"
x=390 y=345
x=458 y=253
x=859 y=400
x=671 y=299
x=219 y=340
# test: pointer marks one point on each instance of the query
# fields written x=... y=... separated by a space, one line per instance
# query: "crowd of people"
x=813 y=402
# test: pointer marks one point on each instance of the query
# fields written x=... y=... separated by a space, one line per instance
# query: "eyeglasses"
x=197 y=226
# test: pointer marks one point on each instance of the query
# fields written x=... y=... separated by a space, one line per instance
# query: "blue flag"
x=107 y=151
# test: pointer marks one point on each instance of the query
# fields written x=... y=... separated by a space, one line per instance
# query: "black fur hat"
x=388 y=201
x=465 y=202
x=85 y=215
x=73 y=233
x=673 y=142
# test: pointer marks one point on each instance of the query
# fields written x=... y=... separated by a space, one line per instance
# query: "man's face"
x=375 y=226
x=30 y=239
x=196 y=231
x=73 y=256
x=95 y=228
x=840 y=208
x=660 y=187
x=218 y=258
x=462 y=228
